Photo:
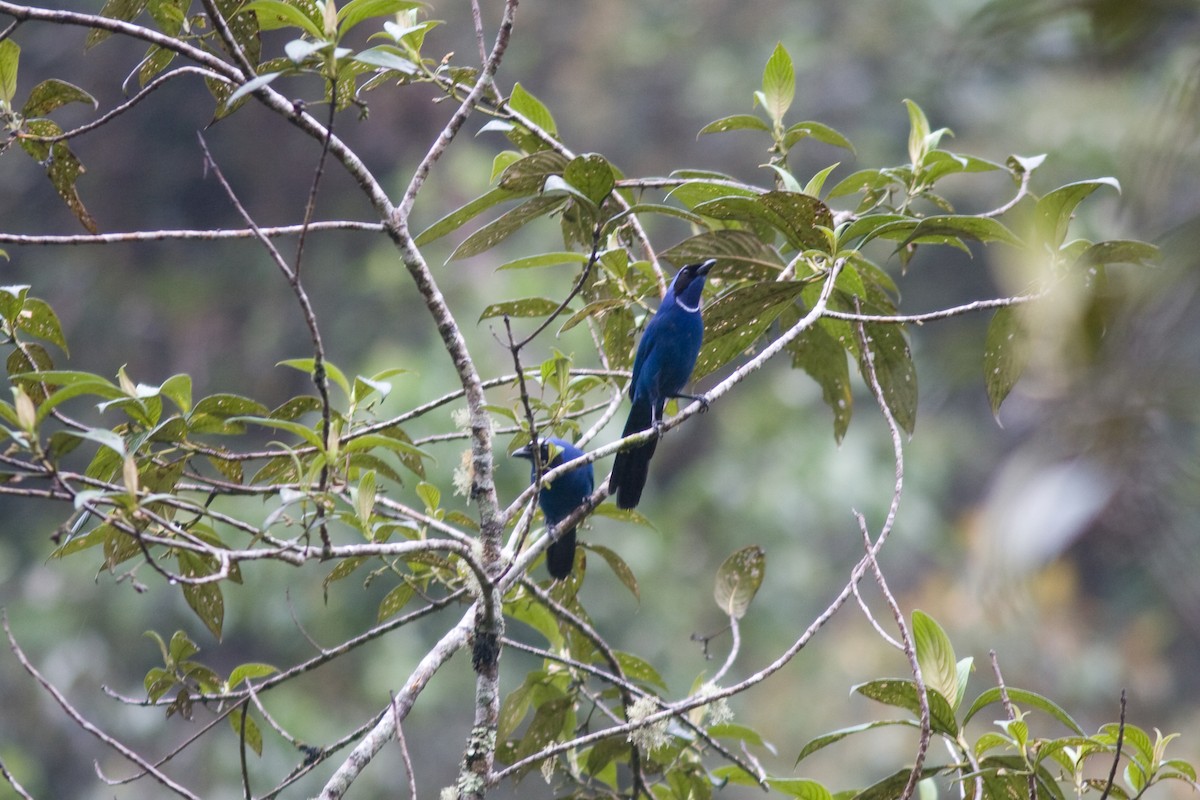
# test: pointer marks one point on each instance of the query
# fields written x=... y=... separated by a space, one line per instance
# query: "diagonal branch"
x=83 y=723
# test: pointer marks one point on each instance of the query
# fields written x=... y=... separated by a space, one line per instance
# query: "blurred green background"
x=1064 y=538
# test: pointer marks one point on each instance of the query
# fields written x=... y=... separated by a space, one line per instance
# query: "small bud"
x=331 y=21
x=26 y=413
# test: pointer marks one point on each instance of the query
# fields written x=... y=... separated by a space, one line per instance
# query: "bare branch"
x=872 y=379
x=83 y=723
x=4 y=772
x=401 y=704
x=408 y=764
x=185 y=235
x=1112 y=772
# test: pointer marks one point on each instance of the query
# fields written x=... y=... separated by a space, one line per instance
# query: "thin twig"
x=186 y=235
x=4 y=772
x=83 y=722
x=1011 y=713
x=404 y=755
x=117 y=111
x=1112 y=772
x=872 y=379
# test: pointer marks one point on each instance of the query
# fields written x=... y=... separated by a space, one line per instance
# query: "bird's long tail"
x=631 y=467
x=560 y=557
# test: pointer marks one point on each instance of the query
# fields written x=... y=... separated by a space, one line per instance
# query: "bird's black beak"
x=706 y=266
x=523 y=452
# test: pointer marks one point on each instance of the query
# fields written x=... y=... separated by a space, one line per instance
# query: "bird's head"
x=551 y=451
x=689 y=283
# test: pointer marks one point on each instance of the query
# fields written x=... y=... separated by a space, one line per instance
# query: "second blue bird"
x=563 y=495
x=662 y=366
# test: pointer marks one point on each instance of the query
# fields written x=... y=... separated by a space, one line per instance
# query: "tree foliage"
x=150 y=471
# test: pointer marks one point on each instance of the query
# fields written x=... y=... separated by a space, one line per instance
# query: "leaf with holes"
x=506 y=225
x=592 y=176
x=739 y=579
x=527 y=307
x=736 y=321
x=1006 y=351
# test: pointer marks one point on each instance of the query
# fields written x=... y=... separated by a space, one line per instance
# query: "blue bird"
x=562 y=496
x=665 y=358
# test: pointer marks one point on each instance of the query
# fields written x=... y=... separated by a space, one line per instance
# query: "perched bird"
x=562 y=496
x=665 y=358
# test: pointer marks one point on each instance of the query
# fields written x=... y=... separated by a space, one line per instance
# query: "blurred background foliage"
x=1065 y=538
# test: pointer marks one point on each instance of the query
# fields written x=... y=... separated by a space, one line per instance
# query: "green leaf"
x=124 y=10
x=51 y=94
x=815 y=130
x=12 y=299
x=638 y=670
x=107 y=438
x=528 y=175
x=546 y=726
x=903 y=694
x=892 y=787
x=778 y=84
x=430 y=495
x=1026 y=699
x=506 y=225
x=1118 y=251
x=821 y=742
x=605 y=752
x=800 y=787
x=251 y=86
x=894 y=369
x=178 y=389
x=592 y=176
x=62 y=167
x=464 y=214
x=386 y=56
x=918 y=133
x=820 y=355
x=394 y=601
x=740 y=733
x=936 y=229
x=527 y=307
x=793 y=214
x=964 y=668
x=343 y=569
x=738 y=580
x=618 y=566
x=695 y=192
x=309 y=365
x=205 y=599
x=304 y=432
x=738 y=318
x=817 y=182
x=532 y=109
x=228 y=405
x=737 y=122
x=545 y=260
x=38 y=318
x=10 y=56
x=935 y=655
x=245 y=727
x=739 y=254
x=357 y=11
x=1053 y=212
x=1006 y=351
x=274 y=14
x=514 y=708
x=247 y=672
